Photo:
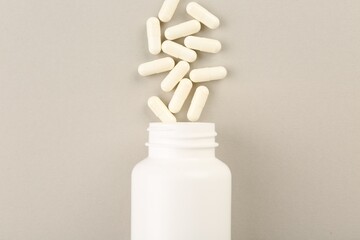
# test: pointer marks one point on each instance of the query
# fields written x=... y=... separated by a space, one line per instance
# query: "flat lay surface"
x=73 y=115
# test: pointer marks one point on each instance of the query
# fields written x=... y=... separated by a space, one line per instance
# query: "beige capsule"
x=198 y=103
x=153 y=35
x=208 y=74
x=178 y=51
x=203 y=44
x=167 y=10
x=160 y=110
x=181 y=93
x=157 y=66
x=174 y=76
x=183 y=29
x=202 y=15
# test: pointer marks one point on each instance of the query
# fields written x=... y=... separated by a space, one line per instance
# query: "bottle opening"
x=182 y=135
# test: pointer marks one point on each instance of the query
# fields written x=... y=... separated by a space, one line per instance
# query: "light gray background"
x=73 y=115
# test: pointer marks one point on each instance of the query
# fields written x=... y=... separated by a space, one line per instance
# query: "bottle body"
x=181 y=193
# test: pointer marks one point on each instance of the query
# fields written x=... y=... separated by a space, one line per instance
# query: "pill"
x=178 y=51
x=167 y=10
x=153 y=35
x=174 y=76
x=208 y=74
x=183 y=29
x=202 y=15
x=197 y=103
x=181 y=93
x=156 y=66
x=160 y=110
x=202 y=44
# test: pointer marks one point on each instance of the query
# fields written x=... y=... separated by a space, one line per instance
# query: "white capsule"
x=201 y=14
x=153 y=35
x=183 y=29
x=167 y=10
x=179 y=51
x=156 y=66
x=174 y=76
x=181 y=93
x=202 y=44
x=160 y=110
x=208 y=74
x=197 y=103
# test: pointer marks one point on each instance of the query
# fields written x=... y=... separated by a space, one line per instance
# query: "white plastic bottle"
x=181 y=191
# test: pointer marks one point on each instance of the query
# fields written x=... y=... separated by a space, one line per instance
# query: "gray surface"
x=73 y=117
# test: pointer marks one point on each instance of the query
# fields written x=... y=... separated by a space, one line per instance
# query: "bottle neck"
x=182 y=140
x=183 y=153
